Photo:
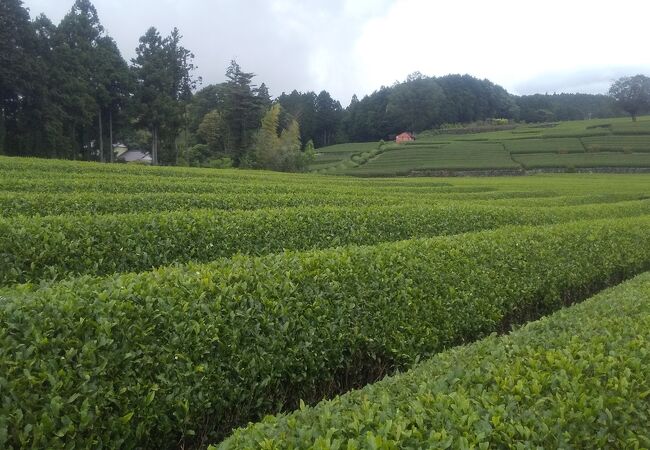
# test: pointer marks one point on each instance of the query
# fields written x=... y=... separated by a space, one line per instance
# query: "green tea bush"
x=35 y=249
x=180 y=355
x=562 y=146
x=577 y=379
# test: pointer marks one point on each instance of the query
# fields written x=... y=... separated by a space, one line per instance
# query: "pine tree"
x=17 y=40
x=163 y=70
x=242 y=110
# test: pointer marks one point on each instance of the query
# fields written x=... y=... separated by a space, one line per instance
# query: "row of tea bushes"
x=180 y=355
x=35 y=249
x=76 y=203
x=45 y=204
x=107 y=183
x=576 y=379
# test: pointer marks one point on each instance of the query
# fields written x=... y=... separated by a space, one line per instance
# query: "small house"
x=404 y=137
x=119 y=149
x=135 y=156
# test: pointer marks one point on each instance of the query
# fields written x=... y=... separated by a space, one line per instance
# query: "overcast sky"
x=356 y=46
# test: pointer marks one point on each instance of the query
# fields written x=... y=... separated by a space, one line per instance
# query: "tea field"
x=160 y=307
x=615 y=143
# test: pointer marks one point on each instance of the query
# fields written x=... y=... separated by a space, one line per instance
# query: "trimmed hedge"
x=45 y=204
x=41 y=249
x=180 y=355
x=577 y=379
x=245 y=184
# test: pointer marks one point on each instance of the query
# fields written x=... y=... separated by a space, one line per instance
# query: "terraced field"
x=334 y=154
x=149 y=307
x=611 y=143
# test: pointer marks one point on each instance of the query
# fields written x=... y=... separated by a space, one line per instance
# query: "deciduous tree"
x=632 y=94
x=280 y=152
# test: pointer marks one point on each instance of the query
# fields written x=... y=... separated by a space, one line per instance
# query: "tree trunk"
x=110 y=134
x=73 y=141
x=154 y=146
x=101 y=137
x=3 y=131
x=157 y=145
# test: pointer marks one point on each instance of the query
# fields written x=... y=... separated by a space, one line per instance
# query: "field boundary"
x=521 y=172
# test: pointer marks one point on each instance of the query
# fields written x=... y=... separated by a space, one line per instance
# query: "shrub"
x=220 y=163
x=578 y=379
x=159 y=359
x=40 y=249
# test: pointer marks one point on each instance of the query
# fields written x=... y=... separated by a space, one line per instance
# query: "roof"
x=135 y=155
x=406 y=133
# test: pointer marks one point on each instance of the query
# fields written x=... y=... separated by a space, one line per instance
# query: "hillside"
x=564 y=146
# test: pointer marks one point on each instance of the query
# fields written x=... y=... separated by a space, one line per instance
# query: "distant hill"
x=575 y=145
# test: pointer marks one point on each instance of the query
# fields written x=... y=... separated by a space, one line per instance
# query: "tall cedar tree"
x=162 y=70
x=77 y=65
x=301 y=106
x=16 y=47
x=243 y=108
x=328 y=117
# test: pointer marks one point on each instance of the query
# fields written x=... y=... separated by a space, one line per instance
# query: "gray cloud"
x=354 y=46
x=591 y=80
x=289 y=44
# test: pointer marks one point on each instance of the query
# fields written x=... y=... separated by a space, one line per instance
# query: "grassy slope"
x=614 y=142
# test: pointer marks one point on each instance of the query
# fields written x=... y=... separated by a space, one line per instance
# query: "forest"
x=67 y=92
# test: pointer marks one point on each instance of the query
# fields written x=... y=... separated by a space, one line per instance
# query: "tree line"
x=66 y=92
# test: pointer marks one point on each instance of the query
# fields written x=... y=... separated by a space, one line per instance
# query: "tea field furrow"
x=577 y=379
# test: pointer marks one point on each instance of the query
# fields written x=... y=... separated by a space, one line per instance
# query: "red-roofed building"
x=404 y=137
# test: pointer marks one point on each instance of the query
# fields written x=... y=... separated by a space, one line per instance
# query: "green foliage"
x=283 y=152
x=402 y=160
x=585 y=160
x=177 y=356
x=242 y=110
x=415 y=104
x=163 y=72
x=550 y=107
x=328 y=114
x=618 y=143
x=632 y=94
x=213 y=132
x=335 y=154
x=145 y=360
x=220 y=163
x=493 y=147
x=552 y=145
x=577 y=379
x=424 y=102
x=41 y=249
